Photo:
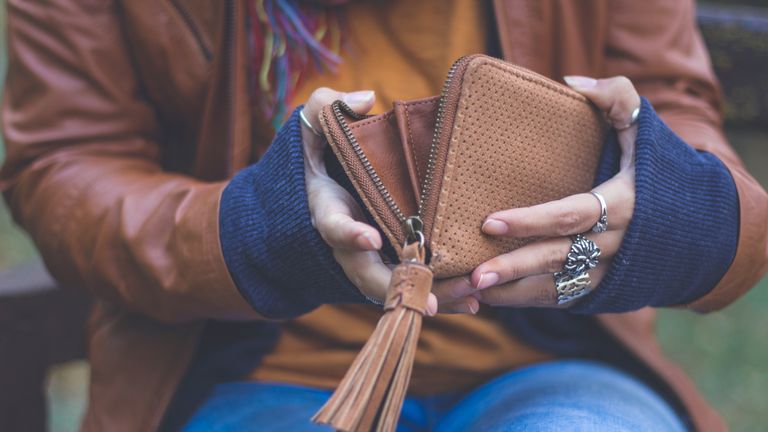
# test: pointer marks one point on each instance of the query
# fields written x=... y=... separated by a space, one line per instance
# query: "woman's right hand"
x=337 y=216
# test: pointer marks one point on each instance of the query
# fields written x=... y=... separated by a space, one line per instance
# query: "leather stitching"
x=375 y=119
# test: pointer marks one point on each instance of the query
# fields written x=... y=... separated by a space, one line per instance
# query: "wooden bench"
x=41 y=324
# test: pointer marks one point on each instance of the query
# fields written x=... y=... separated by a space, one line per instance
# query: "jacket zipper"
x=230 y=36
x=413 y=225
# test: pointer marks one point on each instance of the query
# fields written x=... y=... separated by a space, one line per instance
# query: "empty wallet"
x=498 y=137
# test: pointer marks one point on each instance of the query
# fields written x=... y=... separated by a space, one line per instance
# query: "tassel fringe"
x=371 y=394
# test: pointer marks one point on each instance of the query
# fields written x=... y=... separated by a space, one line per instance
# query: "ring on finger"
x=582 y=256
x=574 y=281
x=570 y=287
x=306 y=123
x=602 y=222
x=632 y=120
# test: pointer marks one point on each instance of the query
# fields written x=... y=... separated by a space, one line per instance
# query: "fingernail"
x=473 y=307
x=580 y=82
x=358 y=97
x=495 y=227
x=462 y=288
x=432 y=305
x=487 y=279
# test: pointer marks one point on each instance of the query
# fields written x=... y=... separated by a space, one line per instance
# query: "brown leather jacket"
x=123 y=121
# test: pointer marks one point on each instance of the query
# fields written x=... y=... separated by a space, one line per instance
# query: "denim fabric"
x=570 y=395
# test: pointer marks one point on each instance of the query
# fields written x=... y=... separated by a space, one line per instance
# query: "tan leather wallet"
x=498 y=137
x=430 y=171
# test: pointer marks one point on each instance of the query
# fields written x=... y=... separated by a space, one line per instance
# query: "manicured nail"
x=432 y=306
x=487 y=279
x=580 y=82
x=495 y=227
x=358 y=97
x=473 y=307
x=462 y=288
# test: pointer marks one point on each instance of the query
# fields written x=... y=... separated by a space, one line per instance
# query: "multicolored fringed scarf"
x=289 y=40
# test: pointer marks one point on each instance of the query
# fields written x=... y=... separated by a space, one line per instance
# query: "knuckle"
x=623 y=81
x=568 y=222
x=511 y=272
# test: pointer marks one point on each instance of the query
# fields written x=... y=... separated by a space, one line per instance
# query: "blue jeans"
x=570 y=395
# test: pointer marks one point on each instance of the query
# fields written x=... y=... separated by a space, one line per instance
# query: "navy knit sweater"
x=681 y=240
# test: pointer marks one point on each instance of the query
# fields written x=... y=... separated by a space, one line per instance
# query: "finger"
x=366 y=271
x=432 y=305
x=618 y=99
x=360 y=101
x=615 y=96
x=568 y=216
x=448 y=290
x=371 y=276
x=542 y=257
x=340 y=230
x=533 y=291
x=466 y=305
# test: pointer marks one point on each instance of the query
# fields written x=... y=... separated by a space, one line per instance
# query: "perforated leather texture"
x=518 y=139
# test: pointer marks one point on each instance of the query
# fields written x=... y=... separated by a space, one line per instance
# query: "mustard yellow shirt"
x=401 y=49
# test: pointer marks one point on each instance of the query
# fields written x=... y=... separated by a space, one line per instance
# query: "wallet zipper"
x=412 y=225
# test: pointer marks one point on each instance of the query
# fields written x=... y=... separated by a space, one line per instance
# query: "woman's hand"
x=524 y=277
x=337 y=216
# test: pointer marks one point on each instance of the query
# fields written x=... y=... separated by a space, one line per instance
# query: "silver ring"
x=573 y=281
x=582 y=256
x=306 y=123
x=632 y=120
x=570 y=287
x=602 y=223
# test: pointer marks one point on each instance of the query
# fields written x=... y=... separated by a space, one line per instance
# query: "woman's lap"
x=562 y=395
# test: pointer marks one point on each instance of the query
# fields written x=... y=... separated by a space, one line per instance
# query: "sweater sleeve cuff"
x=684 y=230
x=276 y=257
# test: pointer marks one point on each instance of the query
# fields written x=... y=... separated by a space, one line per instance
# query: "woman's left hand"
x=524 y=277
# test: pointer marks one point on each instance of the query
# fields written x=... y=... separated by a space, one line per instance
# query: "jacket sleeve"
x=658 y=46
x=83 y=175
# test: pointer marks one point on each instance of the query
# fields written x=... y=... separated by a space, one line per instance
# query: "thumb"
x=615 y=96
x=619 y=100
x=360 y=101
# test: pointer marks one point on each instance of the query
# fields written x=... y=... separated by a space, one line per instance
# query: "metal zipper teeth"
x=340 y=106
x=432 y=159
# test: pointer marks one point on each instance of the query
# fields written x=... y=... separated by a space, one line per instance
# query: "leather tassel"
x=371 y=394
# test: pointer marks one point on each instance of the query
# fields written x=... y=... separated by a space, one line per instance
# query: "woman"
x=139 y=160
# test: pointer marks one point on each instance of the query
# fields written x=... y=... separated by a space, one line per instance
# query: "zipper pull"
x=413 y=227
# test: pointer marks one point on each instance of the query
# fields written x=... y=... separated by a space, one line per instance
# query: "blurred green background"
x=726 y=352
